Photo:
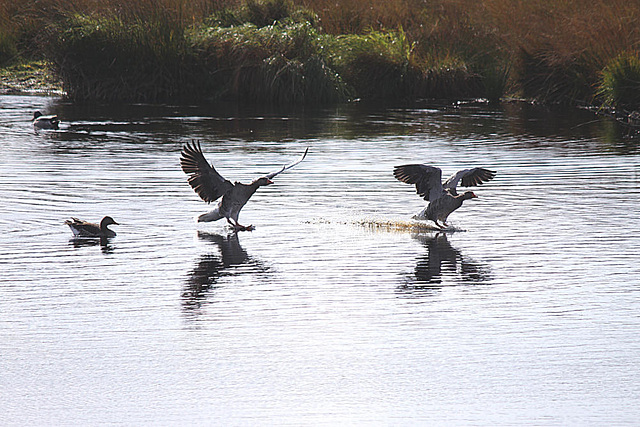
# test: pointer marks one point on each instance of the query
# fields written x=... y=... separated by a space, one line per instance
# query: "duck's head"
x=469 y=195
x=36 y=115
x=263 y=181
x=107 y=220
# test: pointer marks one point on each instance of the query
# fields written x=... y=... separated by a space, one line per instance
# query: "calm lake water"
x=527 y=314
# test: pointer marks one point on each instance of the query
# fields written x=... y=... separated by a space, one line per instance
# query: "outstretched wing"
x=427 y=179
x=289 y=166
x=469 y=177
x=203 y=178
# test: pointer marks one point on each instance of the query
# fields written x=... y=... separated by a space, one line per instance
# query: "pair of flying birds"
x=211 y=186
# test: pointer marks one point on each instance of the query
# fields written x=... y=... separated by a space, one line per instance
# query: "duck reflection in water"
x=105 y=243
x=441 y=261
x=212 y=266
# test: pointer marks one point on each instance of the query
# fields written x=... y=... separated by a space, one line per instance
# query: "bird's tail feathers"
x=214 y=215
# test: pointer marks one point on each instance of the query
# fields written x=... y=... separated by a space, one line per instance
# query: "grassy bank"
x=322 y=51
x=29 y=77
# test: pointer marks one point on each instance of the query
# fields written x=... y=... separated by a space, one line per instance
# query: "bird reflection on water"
x=105 y=243
x=204 y=277
x=443 y=261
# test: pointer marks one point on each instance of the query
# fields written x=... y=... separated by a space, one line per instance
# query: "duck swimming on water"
x=443 y=198
x=81 y=228
x=45 y=122
x=211 y=186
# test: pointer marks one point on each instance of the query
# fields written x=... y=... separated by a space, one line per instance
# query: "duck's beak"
x=269 y=182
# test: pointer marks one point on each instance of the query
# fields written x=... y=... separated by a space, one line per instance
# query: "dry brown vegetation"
x=544 y=49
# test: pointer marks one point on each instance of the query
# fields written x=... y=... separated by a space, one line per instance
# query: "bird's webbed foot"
x=441 y=227
x=239 y=227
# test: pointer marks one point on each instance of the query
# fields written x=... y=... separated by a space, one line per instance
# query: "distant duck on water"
x=45 y=122
x=87 y=229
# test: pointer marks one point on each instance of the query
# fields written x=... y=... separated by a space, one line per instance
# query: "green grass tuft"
x=620 y=82
x=385 y=66
x=272 y=64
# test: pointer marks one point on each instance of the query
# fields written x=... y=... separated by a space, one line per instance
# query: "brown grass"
x=551 y=49
x=568 y=29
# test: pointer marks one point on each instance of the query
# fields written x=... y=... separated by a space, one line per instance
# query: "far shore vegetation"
x=326 y=51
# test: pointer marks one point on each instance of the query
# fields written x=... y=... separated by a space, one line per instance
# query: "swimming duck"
x=443 y=198
x=211 y=186
x=87 y=229
x=45 y=122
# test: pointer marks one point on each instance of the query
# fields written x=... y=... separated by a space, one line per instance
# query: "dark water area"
x=337 y=308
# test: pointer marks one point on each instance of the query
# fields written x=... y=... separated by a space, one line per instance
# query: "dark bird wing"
x=427 y=179
x=203 y=178
x=289 y=166
x=469 y=177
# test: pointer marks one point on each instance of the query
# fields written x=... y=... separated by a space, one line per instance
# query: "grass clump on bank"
x=620 y=83
x=112 y=59
x=384 y=66
x=282 y=63
x=109 y=58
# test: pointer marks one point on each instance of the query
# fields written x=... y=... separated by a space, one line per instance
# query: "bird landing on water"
x=211 y=186
x=443 y=198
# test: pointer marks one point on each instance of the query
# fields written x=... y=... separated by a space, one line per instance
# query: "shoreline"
x=36 y=78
